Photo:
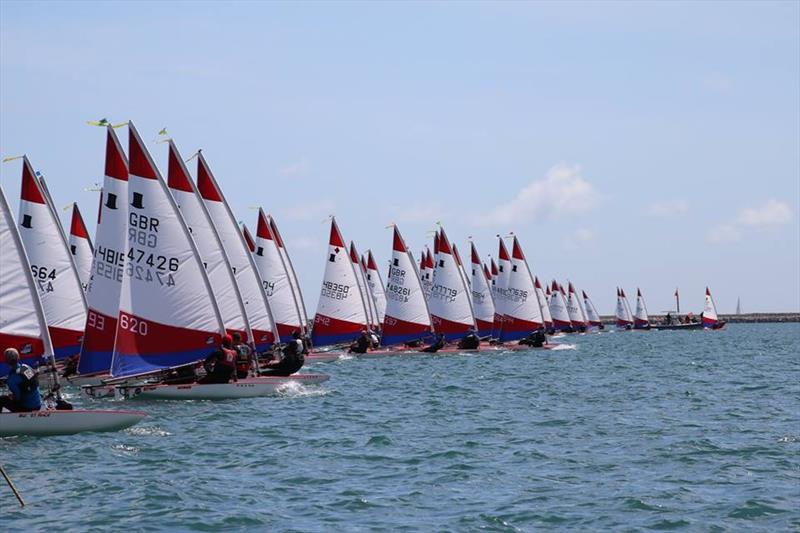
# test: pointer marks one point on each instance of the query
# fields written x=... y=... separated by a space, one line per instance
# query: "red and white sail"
x=592 y=316
x=574 y=309
x=407 y=317
x=363 y=288
x=482 y=297
x=450 y=304
x=623 y=311
x=426 y=274
x=376 y=285
x=522 y=314
x=60 y=289
x=108 y=266
x=276 y=280
x=710 y=317
x=341 y=310
x=209 y=245
x=462 y=269
x=80 y=246
x=544 y=304
x=558 y=308
x=241 y=260
x=168 y=315
x=503 y=273
x=498 y=316
x=298 y=294
x=640 y=318
x=248 y=239
x=22 y=323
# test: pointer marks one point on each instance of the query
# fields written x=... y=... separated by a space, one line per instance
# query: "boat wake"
x=293 y=389
x=148 y=431
x=558 y=347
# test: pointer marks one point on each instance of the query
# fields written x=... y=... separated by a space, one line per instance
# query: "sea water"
x=693 y=430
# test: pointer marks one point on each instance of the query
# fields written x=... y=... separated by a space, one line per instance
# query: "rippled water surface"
x=635 y=430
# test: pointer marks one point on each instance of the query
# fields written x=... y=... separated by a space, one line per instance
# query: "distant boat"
x=574 y=309
x=592 y=316
x=710 y=319
x=640 y=318
x=376 y=285
x=80 y=245
x=558 y=309
x=623 y=311
x=450 y=303
x=522 y=314
x=544 y=304
x=482 y=297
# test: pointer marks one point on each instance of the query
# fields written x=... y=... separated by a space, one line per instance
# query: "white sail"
x=426 y=274
x=640 y=318
x=544 y=304
x=558 y=308
x=363 y=288
x=59 y=286
x=574 y=310
x=108 y=265
x=80 y=245
x=710 y=317
x=277 y=282
x=623 y=312
x=376 y=285
x=168 y=315
x=449 y=303
x=209 y=245
x=407 y=316
x=482 y=297
x=341 y=313
x=241 y=260
x=22 y=323
x=462 y=269
x=501 y=287
x=290 y=269
x=592 y=316
x=522 y=314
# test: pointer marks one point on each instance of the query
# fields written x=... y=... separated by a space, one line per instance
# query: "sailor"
x=436 y=345
x=70 y=366
x=23 y=385
x=293 y=358
x=669 y=318
x=374 y=340
x=470 y=341
x=361 y=344
x=221 y=364
x=535 y=339
x=244 y=356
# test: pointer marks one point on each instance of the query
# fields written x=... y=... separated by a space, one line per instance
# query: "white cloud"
x=308 y=210
x=772 y=213
x=563 y=190
x=295 y=169
x=723 y=233
x=584 y=235
x=717 y=82
x=667 y=209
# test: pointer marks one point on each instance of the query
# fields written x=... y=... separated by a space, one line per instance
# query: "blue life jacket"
x=24 y=385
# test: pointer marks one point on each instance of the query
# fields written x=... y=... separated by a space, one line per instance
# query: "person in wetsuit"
x=23 y=385
x=361 y=344
x=470 y=341
x=293 y=358
x=535 y=339
x=244 y=356
x=436 y=345
x=221 y=364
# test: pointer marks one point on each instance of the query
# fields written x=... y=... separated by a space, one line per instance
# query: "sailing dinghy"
x=482 y=298
x=640 y=318
x=623 y=311
x=80 y=245
x=449 y=301
x=710 y=318
x=522 y=314
x=558 y=309
x=56 y=277
x=376 y=285
x=574 y=310
x=23 y=326
x=341 y=310
x=592 y=317
x=545 y=306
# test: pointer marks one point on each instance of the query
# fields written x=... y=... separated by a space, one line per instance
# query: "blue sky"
x=651 y=144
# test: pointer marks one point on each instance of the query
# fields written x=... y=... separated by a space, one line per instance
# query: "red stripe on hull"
x=394 y=326
x=100 y=331
x=146 y=337
x=448 y=327
x=511 y=323
x=325 y=325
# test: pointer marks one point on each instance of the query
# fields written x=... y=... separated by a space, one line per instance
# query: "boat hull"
x=48 y=423
x=677 y=327
x=244 y=388
x=323 y=357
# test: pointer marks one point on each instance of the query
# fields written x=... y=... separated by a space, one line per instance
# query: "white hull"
x=323 y=357
x=44 y=423
x=244 y=388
